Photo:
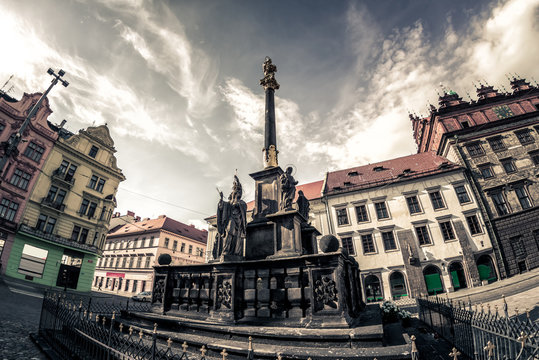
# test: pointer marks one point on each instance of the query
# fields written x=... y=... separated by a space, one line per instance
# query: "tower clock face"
x=503 y=111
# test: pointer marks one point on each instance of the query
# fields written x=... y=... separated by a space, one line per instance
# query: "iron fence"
x=481 y=334
x=82 y=328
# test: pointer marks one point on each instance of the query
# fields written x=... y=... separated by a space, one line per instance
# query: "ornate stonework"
x=101 y=134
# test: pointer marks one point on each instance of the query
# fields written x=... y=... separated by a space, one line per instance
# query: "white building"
x=132 y=250
x=412 y=223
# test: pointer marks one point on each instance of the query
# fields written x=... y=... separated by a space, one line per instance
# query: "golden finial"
x=80 y=303
x=279 y=356
x=490 y=348
x=155 y=328
x=250 y=343
x=140 y=334
x=203 y=350
x=104 y=319
x=482 y=308
x=90 y=315
x=121 y=327
x=169 y=343
x=522 y=339
x=496 y=308
x=130 y=330
x=184 y=346
x=113 y=315
x=516 y=311
x=488 y=307
x=528 y=313
x=454 y=354
x=84 y=313
x=224 y=354
x=309 y=358
x=97 y=318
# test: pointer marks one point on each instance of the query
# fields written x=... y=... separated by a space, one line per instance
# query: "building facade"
x=66 y=220
x=132 y=249
x=496 y=138
x=413 y=225
x=23 y=166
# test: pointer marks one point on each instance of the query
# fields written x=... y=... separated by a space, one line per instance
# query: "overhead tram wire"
x=164 y=202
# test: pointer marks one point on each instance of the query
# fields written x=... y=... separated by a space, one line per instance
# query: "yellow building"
x=67 y=217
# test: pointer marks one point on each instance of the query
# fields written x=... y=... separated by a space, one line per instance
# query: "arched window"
x=373 y=290
x=458 y=278
x=486 y=269
x=398 y=285
x=433 y=280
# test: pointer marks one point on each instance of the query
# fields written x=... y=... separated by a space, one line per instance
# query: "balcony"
x=59 y=240
x=60 y=176
x=8 y=226
x=53 y=204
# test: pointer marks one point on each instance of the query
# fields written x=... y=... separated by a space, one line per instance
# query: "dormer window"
x=378 y=168
x=353 y=173
x=93 y=151
x=347 y=183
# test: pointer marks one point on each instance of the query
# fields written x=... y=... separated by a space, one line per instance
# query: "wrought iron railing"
x=479 y=333
x=58 y=239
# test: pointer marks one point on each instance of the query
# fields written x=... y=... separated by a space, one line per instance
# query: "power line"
x=164 y=202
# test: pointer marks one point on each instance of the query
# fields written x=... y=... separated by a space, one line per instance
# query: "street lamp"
x=13 y=142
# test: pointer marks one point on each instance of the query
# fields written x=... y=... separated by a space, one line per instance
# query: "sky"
x=177 y=82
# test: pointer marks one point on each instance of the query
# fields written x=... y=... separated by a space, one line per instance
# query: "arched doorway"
x=373 y=289
x=398 y=285
x=486 y=269
x=433 y=280
x=458 y=278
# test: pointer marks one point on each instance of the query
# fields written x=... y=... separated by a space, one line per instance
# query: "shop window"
x=398 y=285
x=33 y=261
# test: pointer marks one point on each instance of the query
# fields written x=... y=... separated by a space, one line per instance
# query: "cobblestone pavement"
x=19 y=316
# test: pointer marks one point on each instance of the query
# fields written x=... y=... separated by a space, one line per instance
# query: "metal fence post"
x=110 y=332
x=154 y=340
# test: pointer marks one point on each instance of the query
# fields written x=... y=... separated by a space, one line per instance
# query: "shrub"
x=391 y=313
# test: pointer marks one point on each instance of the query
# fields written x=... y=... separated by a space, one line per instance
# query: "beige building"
x=67 y=217
x=412 y=223
x=133 y=248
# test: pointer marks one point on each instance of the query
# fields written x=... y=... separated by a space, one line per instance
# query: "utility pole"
x=11 y=145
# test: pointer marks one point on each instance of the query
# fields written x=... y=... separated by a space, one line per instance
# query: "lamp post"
x=13 y=142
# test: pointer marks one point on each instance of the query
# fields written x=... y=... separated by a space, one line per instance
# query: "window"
x=486 y=171
x=91 y=209
x=535 y=157
x=93 y=151
x=70 y=172
x=100 y=185
x=496 y=143
x=20 y=179
x=367 y=242
x=342 y=216
x=34 y=151
x=436 y=199
x=2 y=127
x=131 y=261
x=134 y=289
x=381 y=210
x=475 y=149
x=148 y=261
x=124 y=262
x=117 y=262
x=96 y=183
x=524 y=136
x=33 y=261
x=182 y=248
x=75 y=234
x=389 y=240
x=361 y=213
x=84 y=206
x=523 y=197
x=348 y=244
x=413 y=204
x=473 y=224
x=175 y=245
x=499 y=203
x=462 y=194
x=139 y=261
x=83 y=236
x=8 y=209
x=190 y=249
x=126 y=285
x=93 y=182
x=166 y=242
x=508 y=165
x=518 y=247
x=45 y=224
x=94 y=241
x=447 y=230
x=56 y=195
x=423 y=235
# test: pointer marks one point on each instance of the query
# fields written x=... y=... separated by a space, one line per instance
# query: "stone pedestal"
x=287 y=237
x=267 y=192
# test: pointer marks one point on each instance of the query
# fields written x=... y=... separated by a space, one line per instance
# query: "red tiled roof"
x=393 y=170
x=161 y=223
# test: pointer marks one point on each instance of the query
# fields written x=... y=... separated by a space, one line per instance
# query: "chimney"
x=137 y=218
x=130 y=213
x=161 y=216
x=62 y=123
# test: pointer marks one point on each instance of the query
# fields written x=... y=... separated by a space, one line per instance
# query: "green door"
x=455 y=278
x=434 y=283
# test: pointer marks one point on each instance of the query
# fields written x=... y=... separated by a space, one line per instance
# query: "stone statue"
x=231 y=222
x=303 y=205
x=288 y=189
x=269 y=82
